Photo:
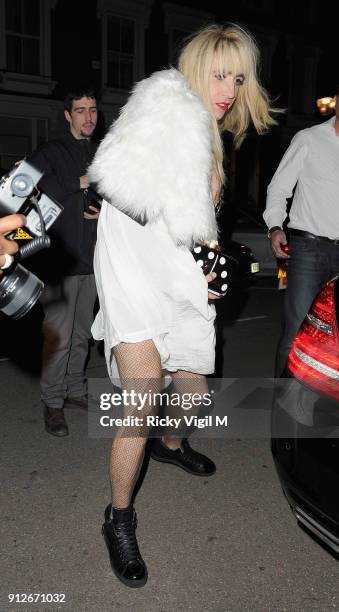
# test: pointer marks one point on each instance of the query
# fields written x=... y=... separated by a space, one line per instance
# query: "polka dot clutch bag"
x=215 y=259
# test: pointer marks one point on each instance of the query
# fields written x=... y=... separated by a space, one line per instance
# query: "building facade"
x=49 y=46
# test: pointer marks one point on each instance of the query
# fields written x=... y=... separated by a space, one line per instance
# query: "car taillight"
x=314 y=356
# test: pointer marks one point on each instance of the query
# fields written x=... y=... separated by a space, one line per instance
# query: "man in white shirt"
x=311 y=165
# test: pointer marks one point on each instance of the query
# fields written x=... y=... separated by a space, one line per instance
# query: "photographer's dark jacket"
x=73 y=238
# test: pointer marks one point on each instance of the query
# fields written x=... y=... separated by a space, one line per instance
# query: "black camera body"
x=19 y=288
x=19 y=194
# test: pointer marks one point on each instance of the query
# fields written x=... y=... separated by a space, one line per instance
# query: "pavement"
x=222 y=544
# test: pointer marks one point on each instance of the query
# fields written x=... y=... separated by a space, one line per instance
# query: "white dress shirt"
x=311 y=162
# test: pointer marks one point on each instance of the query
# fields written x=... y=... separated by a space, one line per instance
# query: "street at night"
x=227 y=543
x=158 y=158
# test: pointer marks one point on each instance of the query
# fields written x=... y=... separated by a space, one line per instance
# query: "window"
x=25 y=46
x=18 y=137
x=23 y=36
x=123 y=24
x=120 y=52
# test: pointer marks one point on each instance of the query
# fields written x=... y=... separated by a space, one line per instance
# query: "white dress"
x=149 y=288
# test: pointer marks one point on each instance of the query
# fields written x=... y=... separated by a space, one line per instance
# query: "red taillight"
x=314 y=356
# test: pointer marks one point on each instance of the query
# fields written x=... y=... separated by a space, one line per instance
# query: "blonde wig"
x=235 y=52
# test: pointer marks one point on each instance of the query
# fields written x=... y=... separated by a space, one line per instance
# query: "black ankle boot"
x=125 y=557
x=185 y=457
x=55 y=422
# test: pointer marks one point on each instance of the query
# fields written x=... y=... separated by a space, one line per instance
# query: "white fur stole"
x=156 y=159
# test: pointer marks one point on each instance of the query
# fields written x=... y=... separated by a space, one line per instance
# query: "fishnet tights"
x=140 y=371
x=185 y=384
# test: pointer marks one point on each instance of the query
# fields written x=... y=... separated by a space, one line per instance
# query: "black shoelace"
x=126 y=540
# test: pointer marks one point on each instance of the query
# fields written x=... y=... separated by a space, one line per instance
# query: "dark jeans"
x=312 y=264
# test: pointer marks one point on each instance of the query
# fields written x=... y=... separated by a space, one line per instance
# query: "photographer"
x=8 y=247
x=67 y=267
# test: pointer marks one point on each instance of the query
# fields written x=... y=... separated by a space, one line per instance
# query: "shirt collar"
x=330 y=123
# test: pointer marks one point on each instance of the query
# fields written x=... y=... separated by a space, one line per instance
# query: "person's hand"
x=93 y=215
x=84 y=182
x=278 y=238
x=7 y=224
x=210 y=277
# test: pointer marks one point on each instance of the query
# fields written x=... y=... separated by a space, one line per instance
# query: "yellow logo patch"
x=22 y=235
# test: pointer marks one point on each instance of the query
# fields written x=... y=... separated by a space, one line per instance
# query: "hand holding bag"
x=214 y=259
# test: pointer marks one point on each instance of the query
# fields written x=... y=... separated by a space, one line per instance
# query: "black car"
x=305 y=421
x=246 y=262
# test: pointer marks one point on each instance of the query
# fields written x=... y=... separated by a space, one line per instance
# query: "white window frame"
x=23 y=36
x=26 y=83
x=139 y=12
x=106 y=19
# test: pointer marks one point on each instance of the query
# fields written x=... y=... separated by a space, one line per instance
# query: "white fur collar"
x=156 y=159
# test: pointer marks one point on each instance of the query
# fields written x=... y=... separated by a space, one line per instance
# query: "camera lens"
x=22 y=185
x=19 y=290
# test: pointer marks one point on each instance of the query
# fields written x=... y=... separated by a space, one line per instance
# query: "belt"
x=297 y=232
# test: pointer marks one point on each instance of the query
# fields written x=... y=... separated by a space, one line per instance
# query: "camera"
x=19 y=288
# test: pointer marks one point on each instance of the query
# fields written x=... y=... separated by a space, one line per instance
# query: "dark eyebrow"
x=83 y=107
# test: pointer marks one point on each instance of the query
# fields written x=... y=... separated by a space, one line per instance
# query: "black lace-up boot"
x=125 y=557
